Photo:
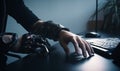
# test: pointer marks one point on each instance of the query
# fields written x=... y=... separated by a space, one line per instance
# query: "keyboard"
x=104 y=46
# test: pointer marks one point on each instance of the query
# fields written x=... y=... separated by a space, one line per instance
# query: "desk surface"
x=56 y=61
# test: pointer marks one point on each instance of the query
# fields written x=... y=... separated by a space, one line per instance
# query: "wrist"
x=49 y=29
x=37 y=23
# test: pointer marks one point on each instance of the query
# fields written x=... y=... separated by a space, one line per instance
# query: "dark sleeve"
x=18 y=10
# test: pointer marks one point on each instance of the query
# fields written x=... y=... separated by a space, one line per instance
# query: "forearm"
x=31 y=22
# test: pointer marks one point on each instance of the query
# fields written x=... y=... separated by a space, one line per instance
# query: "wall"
x=73 y=14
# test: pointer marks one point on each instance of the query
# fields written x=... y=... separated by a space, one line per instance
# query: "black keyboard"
x=104 y=46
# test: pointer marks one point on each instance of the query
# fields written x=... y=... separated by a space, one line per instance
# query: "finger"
x=82 y=46
x=88 y=48
x=65 y=47
x=76 y=45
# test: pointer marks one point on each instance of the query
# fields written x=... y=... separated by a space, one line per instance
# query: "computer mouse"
x=74 y=57
x=92 y=35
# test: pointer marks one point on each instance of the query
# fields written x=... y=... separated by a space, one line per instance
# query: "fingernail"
x=85 y=56
x=92 y=54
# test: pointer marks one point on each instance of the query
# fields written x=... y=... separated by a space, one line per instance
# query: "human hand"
x=78 y=42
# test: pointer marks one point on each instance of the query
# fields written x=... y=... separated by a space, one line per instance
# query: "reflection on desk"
x=56 y=61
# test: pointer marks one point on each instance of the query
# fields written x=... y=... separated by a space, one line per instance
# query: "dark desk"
x=56 y=62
